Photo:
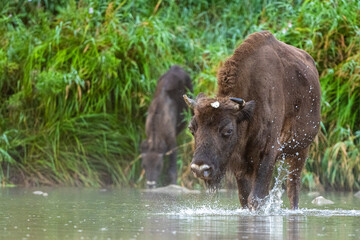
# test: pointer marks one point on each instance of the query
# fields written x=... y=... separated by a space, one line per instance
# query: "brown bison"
x=279 y=119
x=164 y=122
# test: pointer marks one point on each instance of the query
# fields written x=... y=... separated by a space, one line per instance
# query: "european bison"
x=280 y=120
x=164 y=122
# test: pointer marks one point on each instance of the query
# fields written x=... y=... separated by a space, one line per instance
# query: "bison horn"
x=239 y=101
x=190 y=102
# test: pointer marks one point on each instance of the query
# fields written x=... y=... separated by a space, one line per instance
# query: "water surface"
x=82 y=213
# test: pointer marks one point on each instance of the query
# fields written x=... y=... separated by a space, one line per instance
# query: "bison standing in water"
x=267 y=107
x=164 y=122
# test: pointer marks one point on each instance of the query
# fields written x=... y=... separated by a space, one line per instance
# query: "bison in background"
x=267 y=107
x=164 y=122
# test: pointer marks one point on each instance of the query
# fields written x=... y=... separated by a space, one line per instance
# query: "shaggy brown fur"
x=281 y=121
x=164 y=122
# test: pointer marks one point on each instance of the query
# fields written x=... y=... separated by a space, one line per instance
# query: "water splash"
x=272 y=205
x=205 y=210
x=208 y=211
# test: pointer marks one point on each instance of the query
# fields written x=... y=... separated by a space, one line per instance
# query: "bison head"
x=217 y=126
x=152 y=163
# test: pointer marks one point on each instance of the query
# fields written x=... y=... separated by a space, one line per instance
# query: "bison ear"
x=190 y=102
x=247 y=112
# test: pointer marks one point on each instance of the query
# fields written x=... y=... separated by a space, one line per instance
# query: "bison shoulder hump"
x=229 y=72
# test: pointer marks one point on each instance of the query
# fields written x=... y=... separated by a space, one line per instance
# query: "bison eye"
x=227 y=132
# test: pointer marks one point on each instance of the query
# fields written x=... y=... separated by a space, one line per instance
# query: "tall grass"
x=76 y=79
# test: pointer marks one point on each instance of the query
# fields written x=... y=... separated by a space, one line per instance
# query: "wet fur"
x=284 y=119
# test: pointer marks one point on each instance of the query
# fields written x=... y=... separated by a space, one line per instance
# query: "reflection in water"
x=270 y=227
x=261 y=227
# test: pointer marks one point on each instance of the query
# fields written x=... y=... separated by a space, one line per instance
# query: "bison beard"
x=214 y=184
x=232 y=133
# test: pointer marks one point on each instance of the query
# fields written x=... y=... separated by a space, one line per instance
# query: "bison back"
x=283 y=81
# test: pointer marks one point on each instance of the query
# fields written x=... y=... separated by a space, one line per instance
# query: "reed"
x=76 y=78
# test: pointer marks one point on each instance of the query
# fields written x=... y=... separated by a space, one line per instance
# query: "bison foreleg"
x=244 y=188
x=296 y=164
x=261 y=182
x=172 y=172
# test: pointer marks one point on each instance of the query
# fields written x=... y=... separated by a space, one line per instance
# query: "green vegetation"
x=76 y=78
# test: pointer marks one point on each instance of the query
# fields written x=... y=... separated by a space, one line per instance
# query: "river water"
x=85 y=213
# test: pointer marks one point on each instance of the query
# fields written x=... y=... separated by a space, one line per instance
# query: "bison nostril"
x=204 y=167
x=203 y=171
x=194 y=167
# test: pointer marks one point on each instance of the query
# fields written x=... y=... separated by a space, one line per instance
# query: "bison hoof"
x=253 y=206
x=254 y=203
